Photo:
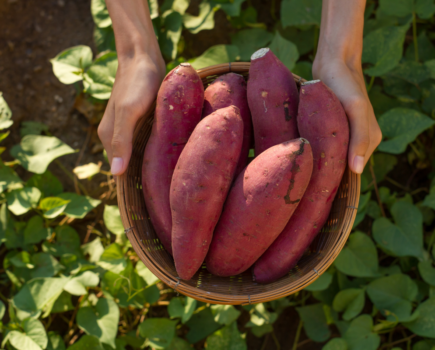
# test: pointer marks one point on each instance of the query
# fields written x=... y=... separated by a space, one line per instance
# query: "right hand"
x=136 y=85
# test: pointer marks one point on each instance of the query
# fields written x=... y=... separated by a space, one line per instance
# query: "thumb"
x=122 y=141
x=358 y=111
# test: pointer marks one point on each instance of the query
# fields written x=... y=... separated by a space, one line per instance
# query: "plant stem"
x=298 y=334
x=272 y=9
x=414 y=33
x=71 y=176
x=389 y=345
x=376 y=190
x=395 y=183
x=266 y=338
x=275 y=339
x=369 y=87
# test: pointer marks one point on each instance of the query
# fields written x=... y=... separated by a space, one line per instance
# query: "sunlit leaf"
x=36 y=152
x=170 y=34
x=22 y=200
x=112 y=219
x=70 y=65
x=8 y=177
x=205 y=19
x=104 y=39
x=5 y=114
x=77 y=285
x=215 y=55
x=285 y=50
x=113 y=259
x=53 y=206
x=87 y=171
x=78 y=206
x=55 y=342
x=227 y=338
x=100 y=13
x=100 y=76
x=225 y=314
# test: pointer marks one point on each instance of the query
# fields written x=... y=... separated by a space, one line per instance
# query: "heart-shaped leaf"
x=401 y=126
x=113 y=259
x=285 y=50
x=158 y=331
x=100 y=13
x=100 y=76
x=215 y=55
x=112 y=219
x=315 y=324
x=36 y=152
x=359 y=258
x=100 y=321
x=250 y=40
x=225 y=314
x=87 y=171
x=405 y=238
x=351 y=301
x=227 y=338
x=78 y=206
x=47 y=183
x=427 y=272
x=8 y=177
x=45 y=265
x=360 y=336
x=35 y=231
x=70 y=65
x=22 y=200
x=424 y=324
x=53 y=206
x=77 y=285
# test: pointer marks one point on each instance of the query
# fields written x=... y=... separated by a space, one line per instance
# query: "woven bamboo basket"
x=240 y=289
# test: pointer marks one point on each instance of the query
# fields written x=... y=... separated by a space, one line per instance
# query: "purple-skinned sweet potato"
x=322 y=121
x=273 y=100
x=200 y=184
x=259 y=205
x=178 y=111
x=230 y=90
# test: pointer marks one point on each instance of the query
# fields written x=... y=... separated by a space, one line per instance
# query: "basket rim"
x=229 y=299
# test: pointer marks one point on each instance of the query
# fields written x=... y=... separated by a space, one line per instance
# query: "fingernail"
x=117 y=164
x=358 y=164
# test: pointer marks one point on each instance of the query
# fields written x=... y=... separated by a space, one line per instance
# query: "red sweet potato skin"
x=323 y=122
x=178 y=111
x=273 y=101
x=230 y=90
x=200 y=185
x=259 y=205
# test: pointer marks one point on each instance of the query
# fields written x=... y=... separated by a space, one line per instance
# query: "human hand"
x=136 y=85
x=347 y=82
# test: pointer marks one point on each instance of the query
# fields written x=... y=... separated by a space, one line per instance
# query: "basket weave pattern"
x=238 y=289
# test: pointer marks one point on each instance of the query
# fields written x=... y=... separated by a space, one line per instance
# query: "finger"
x=357 y=110
x=122 y=140
x=105 y=129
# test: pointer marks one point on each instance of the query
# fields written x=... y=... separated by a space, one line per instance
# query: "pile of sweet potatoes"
x=207 y=202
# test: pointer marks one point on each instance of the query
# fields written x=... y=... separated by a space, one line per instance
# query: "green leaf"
x=158 y=331
x=21 y=259
x=112 y=219
x=424 y=345
x=104 y=39
x=411 y=71
x=426 y=50
x=360 y=336
x=179 y=6
x=145 y=273
x=53 y=206
x=383 y=164
x=35 y=231
x=424 y=8
x=215 y=55
x=67 y=242
x=320 y=283
x=47 y=183
x=45 y=265
x=100 y=76
x=32 y=128
x=303 y=38
x=94 y=249
x=250 y=40
x=8 y=177
x=87 y=171
x=77 y=285
x=395 y=294
x=405 y=238
x=113 y=259
x=63 y=303
x=397 y=8
x=286 y=51
x=22 y=200
x=55 y=342
x=315 y=324
x=427 y=272
x=170 y=33
x=179 y=344
x=424 y=324
x=87 y=342
x=359 y=258
x=383 y=48
x=336 y=344
x=231 y=7
x=431 y=66
x=5 y=114
x=70 y=65
x=259 y=331
x=33 y=338
x=78 y=206
x=182 y=308
x=225 y=314
x=201 y=325
x=301 y=12
x=2 y=309
x=39 y=294
x=429 y=200
x=36 y=152
x=205 y=19
x=304 y=69
x=351 y=301
x=100 y=321
x=100 y=13
x=401 y=126
x=227 y=338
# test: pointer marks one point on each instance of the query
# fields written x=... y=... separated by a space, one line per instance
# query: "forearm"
x=341 y=33
x=134 y=32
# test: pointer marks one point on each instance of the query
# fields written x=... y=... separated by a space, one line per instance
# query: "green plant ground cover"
x=70 y=279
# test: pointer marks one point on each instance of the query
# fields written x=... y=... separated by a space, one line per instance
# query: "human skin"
x=141 y=70
x=338 y=65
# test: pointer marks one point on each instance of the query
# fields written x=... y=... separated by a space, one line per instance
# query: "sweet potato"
x=230 y=90
x=259 y=205
x=322 y=121
x=273 y=101
x=200 y=184
x=178 y=111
